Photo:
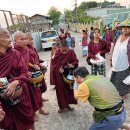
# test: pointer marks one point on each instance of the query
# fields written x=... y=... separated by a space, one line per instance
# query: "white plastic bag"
x=45 y=64
x=127 y=80
x=98 y=62
x=86 y=48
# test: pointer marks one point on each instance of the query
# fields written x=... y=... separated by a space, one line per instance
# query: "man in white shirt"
x=121 y=59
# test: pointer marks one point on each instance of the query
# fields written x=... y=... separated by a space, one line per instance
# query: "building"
x=109 y=14
x=40 y=22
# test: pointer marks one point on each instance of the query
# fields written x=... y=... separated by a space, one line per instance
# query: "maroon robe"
x=24 y=52
x=33 y=92
x=65 y=95
x=35 y=59
x=52 y=82
x=20 y=116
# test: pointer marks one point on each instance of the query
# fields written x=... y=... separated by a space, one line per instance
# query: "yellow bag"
x=36 y=76
x=68 y=81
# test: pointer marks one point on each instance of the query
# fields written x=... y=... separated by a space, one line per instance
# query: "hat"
x=107 y=28
x=124 y=23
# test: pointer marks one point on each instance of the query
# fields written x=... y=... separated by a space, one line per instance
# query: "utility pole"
x=76 y=19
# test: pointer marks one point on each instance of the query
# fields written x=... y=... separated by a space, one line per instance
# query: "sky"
x=31 y=7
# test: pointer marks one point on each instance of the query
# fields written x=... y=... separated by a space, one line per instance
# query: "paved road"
x=81 y=118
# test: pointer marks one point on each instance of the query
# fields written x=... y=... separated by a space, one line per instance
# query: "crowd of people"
x=22 y=82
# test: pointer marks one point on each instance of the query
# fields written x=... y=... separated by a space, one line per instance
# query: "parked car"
x=48 y=38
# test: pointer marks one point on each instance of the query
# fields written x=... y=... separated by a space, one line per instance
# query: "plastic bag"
x=86 y=48
x=98 y=62
x=45 y=64
x=127 y=80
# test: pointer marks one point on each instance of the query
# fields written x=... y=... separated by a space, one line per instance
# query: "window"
x=48 y=34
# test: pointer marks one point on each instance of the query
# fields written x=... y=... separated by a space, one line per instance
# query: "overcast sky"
x=30 y=7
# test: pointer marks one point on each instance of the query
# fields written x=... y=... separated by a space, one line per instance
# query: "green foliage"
x=69 y=16
x=87 y=5
x=81 y=16
x=104 y=4
x=54 y=15
x=86 y=19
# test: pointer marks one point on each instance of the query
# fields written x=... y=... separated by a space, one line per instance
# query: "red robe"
x=65 y=96
x=20 y=116
x=33 y=92
x=35 y=59
x=52 y=82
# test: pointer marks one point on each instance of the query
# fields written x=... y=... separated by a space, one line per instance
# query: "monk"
x=63 y=57
x=35 y=60
x=21 y=46
x=55 y=48
x=18 y=116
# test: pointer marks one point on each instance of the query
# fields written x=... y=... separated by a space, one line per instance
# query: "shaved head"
x=18 y=34
x=3 y=32
x=64 y=43
x=29 y=38
x=5 y=41
x=20 y=39
x=64 y=47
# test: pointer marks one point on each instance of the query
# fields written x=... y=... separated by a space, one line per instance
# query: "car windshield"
x=48 y=34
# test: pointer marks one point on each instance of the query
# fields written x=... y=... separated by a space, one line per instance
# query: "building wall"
x=97 y=12
x=40 y=23
x=110 y=14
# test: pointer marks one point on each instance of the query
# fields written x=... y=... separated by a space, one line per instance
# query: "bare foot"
x=42 y=111
x=62 y=110
x=36 y=118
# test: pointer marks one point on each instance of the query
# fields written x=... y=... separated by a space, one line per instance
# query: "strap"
x=110 y=109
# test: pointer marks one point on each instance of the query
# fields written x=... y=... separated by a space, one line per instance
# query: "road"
x=81 y=118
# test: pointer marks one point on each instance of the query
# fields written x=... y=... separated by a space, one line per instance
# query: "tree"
x=87 y=5
x=69 y=16
x=54 y=15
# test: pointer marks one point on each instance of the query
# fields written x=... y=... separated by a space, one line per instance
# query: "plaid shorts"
x=98 y=68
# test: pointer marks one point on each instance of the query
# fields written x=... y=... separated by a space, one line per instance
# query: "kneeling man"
x=109 y=111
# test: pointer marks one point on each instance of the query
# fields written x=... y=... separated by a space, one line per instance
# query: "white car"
x=48 y=38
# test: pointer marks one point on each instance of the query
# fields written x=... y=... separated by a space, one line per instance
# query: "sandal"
x=62 y=110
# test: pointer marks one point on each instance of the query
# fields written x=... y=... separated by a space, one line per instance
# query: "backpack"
x=91 y=35
x=73 y=41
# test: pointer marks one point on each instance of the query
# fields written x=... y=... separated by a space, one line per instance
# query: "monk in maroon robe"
x=55 y=48
x=35 y=60
x=21 y=46
x=13 y=67
x=64 y=57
